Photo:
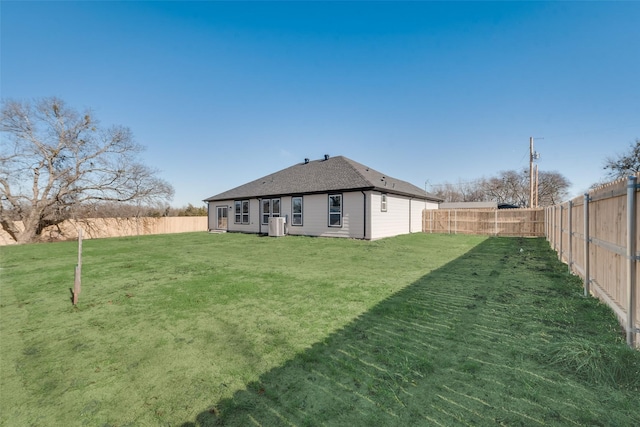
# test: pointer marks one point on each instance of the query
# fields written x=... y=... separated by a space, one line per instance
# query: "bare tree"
x=552 y=188
x=508 y=187
x=460 y=192
x=625 y=164
x=54 y=159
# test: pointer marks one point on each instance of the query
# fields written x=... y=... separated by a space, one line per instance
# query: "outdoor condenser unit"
x=276 y=226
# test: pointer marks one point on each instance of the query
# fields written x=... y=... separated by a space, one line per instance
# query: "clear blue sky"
x=224 y=93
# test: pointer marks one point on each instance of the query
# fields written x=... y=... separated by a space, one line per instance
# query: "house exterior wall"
x=254 y=216
x=403 y=215
x=315 y=216
x=392 y=222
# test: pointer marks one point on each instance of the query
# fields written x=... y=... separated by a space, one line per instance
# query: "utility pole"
x=531 y=172
x=535 y=200
x=533 y=176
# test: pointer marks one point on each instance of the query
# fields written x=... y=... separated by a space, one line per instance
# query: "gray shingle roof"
x=320 y=176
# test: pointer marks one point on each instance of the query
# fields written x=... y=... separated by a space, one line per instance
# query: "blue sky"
x=223 y=93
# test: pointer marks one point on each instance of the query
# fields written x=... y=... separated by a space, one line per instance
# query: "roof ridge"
x=352 y=166
x=340 y=173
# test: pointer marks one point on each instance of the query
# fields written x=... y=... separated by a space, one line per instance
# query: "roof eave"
x=425 y=197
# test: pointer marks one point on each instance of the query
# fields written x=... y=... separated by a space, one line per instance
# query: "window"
x=242 y=212
x=383 y=202
x=270 y=208
x=296 y=211
x=266 y=210
x=335 y=210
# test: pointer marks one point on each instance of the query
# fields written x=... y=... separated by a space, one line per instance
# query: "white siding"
x=392 y=222
x=403 y=215
x=254 y=216
x=315 y=216
x=213 y=211
x=211 y=216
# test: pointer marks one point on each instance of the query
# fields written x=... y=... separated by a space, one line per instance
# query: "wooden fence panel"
x=607 y=258
x=494 y=222
x=95 y=228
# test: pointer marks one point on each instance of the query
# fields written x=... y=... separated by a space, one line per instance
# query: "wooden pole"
x=78 y=271
x=535 y=200
x=531 y=172
x=80 y=248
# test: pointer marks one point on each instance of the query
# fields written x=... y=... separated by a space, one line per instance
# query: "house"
x=331 y=197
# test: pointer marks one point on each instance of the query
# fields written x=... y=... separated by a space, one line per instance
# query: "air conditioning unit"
x=276 y=226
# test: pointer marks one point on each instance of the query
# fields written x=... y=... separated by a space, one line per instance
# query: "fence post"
x=631 y=260
x=455 y=221
x=561 y=236
x=550 y=226
x=431 y=220
x=570 y=227
x=553 y=227
x=587 y=279
x=77 y=277
x=546 y=224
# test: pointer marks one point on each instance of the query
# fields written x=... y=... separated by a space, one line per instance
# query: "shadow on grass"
x=460 y=346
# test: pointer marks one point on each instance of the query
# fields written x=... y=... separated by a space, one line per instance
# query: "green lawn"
x=197 y=329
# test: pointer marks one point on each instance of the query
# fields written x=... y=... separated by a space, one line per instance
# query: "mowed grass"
x=167 y=326
x=197 y=330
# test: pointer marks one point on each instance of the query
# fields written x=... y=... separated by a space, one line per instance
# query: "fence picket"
x=497 y=222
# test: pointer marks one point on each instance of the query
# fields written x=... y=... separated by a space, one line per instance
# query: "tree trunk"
x=10 y=227
x=25 y=235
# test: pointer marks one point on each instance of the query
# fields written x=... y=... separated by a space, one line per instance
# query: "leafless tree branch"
x=54 y=159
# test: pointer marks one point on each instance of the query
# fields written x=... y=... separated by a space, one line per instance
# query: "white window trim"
x=241 y=214
x=335 y=213
x=271 y=213
x=383 y=202
x=293 y=214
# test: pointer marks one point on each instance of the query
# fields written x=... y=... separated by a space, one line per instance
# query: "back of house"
x=330 y=197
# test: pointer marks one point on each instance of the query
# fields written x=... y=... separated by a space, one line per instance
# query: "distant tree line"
x=123 y=210
x=508 y=187
x=512 y=187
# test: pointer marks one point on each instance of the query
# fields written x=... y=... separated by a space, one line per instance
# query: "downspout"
x=364 y=215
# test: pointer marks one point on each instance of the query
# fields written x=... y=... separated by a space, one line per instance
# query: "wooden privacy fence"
x=95 y=228
x=492 y=222
x=596 y=235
